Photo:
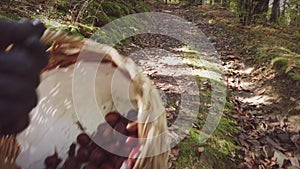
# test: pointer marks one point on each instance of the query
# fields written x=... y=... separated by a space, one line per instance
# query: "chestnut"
x=106 y=166
x=117 y=161
x=103 y=134
x=71 y=163
x=113 y=148
x=90 y=166
x=83 y=139
x=52 y=161
x=112 y=118
x=121 y=127
x=83 y=154
x=97 y=156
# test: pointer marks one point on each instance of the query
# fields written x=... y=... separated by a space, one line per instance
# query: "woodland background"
x=258 y=43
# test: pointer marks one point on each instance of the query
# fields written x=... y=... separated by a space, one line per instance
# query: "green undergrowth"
x=80 y=18
x=281 y=59
x=269 y=47
x=220 y=149
x=274 y=48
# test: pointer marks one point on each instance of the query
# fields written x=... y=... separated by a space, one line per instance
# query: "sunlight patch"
x=256 y=100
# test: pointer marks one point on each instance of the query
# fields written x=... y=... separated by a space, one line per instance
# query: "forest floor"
x=260 y=125
x=266 y=100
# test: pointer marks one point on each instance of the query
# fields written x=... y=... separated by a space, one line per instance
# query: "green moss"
x=280 y=61
x=219 y=148
x=75 y=29
x=188 y=155
x=280 y=58
x=127 y=8
x=62 y=6
x=294 y=76
x=112 y=9
x=229 y=105
x=121 y=8
x=123 y=42
x=297 y=34
x=16 y=15
x=140 y=6
x=222 y=143
x=102 y=19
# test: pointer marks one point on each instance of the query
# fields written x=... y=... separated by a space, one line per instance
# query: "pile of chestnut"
x=113 y=146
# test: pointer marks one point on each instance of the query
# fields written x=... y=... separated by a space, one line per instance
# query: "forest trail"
x=266 y=103
x=260 y=127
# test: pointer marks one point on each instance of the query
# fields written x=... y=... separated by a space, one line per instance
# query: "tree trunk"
x=198 y=2
x=241 y=8
x=248 y=9
x=224 y=3
x=284 y=8
x=260 y=9
x=275 y=11
x=295 y=17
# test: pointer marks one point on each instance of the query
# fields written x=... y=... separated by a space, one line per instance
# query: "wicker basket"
x=54 y=120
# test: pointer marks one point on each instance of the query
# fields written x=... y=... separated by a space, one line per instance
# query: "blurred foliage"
x=77 y=16
x=281 y=58
x=256 y=11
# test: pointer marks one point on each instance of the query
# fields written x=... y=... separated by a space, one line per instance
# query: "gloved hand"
x=19 y=72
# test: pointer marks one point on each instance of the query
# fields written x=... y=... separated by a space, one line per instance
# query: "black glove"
x=19 y=72
x=18 y=32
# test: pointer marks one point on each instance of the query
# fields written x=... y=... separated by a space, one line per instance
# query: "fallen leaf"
x=274 y=144
x=200 y=149
x=254 y=142
x=175 y=151
x=280 y=157
x=268 y=152
x=284 y=137
x=296 y=139
x=294 y=161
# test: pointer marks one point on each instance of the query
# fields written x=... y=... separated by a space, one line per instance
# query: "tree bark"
x=295 y=19
x=284 y=8
x=275 y=11
x=224 y=3
x=198 y=2
x=260 y=9
x=248 y=10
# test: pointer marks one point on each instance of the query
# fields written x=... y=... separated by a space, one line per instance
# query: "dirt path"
x=262 y=97
x=270 y=139
x=266 y=103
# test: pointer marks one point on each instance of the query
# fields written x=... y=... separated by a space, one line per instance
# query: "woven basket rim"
x=67 y=48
